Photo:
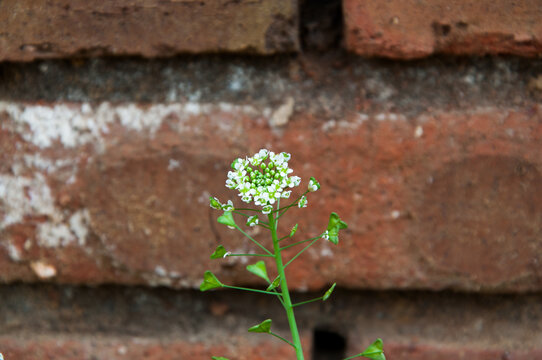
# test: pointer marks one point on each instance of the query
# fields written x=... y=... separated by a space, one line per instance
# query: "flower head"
x=262 y=178
x=252 y=220
x=313 y=185
x=302 y=202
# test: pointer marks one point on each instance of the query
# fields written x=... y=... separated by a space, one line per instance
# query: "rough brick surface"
x=97 y=193
x=64 y=28
x=406 y=29
x=51 y=322
x=126 y=347
x=107 y=348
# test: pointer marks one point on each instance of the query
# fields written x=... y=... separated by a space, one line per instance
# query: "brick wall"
x=421 y=120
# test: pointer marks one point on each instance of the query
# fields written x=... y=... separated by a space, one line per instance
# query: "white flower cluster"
x=262 y=178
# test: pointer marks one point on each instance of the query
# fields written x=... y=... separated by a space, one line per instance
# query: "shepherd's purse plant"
x=264 y=180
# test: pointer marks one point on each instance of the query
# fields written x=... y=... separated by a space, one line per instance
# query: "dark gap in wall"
x=321 y=25
x=328 y=345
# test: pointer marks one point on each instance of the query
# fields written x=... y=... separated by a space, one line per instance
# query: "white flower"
x=252 y=221
x=262 y=178
x=325 y=235
x=267 y=209
x=302 y=202
x=313 y=185
x=228 y=206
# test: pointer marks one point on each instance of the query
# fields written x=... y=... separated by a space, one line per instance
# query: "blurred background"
x=422 y=121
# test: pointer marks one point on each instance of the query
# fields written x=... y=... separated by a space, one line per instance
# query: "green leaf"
x=294 y=229
x=335 y=224
x=275 y=284
x=210 y=282
x=263 y=327
x=219 y=358
x=219 y=252
x=259 y=269
x=375 y=351
x=227 y=219
x=328 y=293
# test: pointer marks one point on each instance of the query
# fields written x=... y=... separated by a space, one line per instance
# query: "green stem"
x=249 y=289
x=284 y=237
x=281 y=211
x=301 y=252
x=254 y=241
x=296 y=341
x=240 y=213
x=300 y=242
x=352 y=357
x=247 y=209
x=281 y=338
x=308 y=301
x=261 y=255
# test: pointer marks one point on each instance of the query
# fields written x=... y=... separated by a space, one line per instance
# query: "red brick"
x=66 y=28
x=407 y=29
x=114 y=322
x=63 y=347
x=457 y=352
x=443 y=200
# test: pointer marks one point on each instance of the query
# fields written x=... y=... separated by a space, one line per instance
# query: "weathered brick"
x=407 y=29
x=457 y=352
x=118 y=193
x=65 y=28
x=66 y=347
x=115 y=322
x=96 y=347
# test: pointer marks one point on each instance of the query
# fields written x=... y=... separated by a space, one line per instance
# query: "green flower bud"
x=214 y=203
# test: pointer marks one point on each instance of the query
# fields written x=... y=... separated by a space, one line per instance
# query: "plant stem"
x=260 y=255
x=308 y=301
x=281 y=338
x=254 y=241
x=249 y=289
x=352 y=357
x=300 y=242
x=287 y=302
x=301 y=252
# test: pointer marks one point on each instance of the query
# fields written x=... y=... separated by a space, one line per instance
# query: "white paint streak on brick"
x=54 y=235
x=74 y=125
x=66 y=231
x=22 y=196
x=37 y=161
x=173 y=164
x=79 y=222
x=390 y=117
x=14 y=252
